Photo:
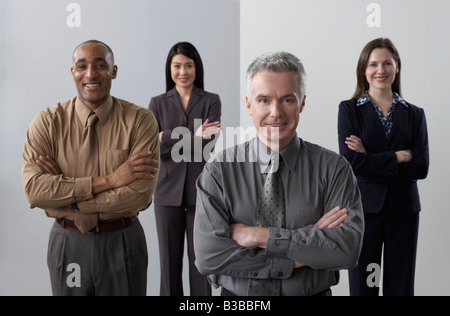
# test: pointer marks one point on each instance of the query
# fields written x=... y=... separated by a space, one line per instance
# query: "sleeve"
x=417 y=168
x=330 y=248
x=136 y=196
x=216 y=253
x=168 y=140
x=44 y=190
x=363 y=164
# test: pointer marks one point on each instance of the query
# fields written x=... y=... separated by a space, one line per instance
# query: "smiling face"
x=93 y=70
x=182 y=70
x=275 y=107
x=381 y=70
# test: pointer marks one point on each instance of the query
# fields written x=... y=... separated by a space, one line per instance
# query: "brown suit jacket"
x=179 y=143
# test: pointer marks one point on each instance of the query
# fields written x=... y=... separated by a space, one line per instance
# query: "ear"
x=249 y=106
x=302 y=106
x=114 y=74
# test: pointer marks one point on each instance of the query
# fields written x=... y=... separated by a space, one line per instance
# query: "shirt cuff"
x=278 y=242
x=83 y=189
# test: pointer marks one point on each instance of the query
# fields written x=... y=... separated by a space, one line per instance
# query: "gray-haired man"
x=287 y=230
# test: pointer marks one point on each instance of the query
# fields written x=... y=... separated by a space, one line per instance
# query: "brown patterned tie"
x=271 y=213
x=88 y=166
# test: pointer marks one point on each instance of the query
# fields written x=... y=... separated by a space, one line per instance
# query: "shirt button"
x=278 y=242
x=278 y=235
x=255 y=274
x=280 y=274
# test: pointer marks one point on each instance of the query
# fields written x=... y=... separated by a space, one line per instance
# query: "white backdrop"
x=36 y=44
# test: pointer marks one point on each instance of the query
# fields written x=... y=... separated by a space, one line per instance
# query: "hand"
x=404 y=156
x=249 y=236
x=207 y=129
x=298 y=265
x=355 y=143
x=139 y=166
x=334 y=218
x=48 y=165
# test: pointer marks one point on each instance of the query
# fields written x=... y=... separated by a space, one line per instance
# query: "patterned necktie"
x=271 y=213
x=88 y=166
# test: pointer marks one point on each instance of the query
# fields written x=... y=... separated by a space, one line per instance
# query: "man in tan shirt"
x=112 y=258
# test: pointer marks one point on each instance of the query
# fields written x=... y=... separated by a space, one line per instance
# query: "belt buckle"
x=94 y=231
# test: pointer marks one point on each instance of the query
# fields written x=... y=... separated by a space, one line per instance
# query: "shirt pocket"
x=115 y=158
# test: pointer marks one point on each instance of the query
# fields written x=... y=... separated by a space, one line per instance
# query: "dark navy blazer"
x=380 y=178
x=177 y=179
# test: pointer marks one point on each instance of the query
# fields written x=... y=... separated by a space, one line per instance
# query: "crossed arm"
x=139 y=166
x=206 y=130
x=355 y=143
x=254 y=236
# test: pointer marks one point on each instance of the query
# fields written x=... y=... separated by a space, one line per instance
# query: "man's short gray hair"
x=277 y=62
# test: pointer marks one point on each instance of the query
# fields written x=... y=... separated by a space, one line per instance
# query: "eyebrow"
x=289 y=95
x=261 y=96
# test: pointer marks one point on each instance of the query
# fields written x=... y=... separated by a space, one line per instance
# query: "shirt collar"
x=289 y=154
x=399 y=99
x=103 y=111
x=365 y=98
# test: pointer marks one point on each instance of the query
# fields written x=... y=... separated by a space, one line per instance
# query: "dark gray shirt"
x=315 y=180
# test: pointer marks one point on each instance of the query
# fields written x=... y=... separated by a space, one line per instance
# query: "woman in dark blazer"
x=188 y=118
x=385 y=140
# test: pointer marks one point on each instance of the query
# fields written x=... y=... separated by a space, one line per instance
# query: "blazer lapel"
x=372 y=120
x=196 y=95
x=175 y=100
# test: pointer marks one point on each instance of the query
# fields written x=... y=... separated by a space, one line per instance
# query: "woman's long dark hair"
x=362 y=85
x=188 y=50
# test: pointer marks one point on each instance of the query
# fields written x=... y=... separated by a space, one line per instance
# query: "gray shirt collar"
x=289 y=154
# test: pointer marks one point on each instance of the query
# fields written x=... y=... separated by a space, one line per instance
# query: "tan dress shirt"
x=123 y=130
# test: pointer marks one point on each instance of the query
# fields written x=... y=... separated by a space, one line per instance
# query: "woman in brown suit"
x=188 y=119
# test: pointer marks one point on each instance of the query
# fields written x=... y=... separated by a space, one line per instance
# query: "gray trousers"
x=106 y=264
x=172 y=223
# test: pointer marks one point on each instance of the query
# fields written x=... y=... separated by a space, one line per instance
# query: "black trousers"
x=395 y=236
x=106 y=264
x=172 y=224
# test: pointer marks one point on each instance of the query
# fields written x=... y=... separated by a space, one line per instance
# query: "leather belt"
x=103 y=226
